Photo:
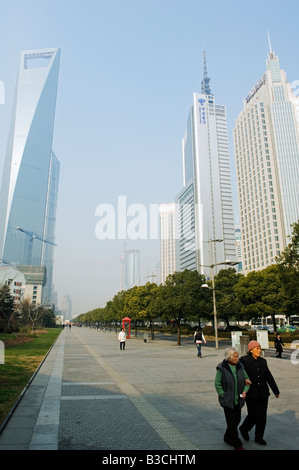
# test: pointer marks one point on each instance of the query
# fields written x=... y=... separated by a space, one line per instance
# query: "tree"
x=48 y=320
x=228 y=303
x=288 y=270
x=180 y=297
x=137 y=303
x=150 y=293
x=7 y=307
x=261 y=294
x=32 y=314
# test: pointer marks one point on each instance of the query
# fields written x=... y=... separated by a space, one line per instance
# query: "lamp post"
x=226 y=262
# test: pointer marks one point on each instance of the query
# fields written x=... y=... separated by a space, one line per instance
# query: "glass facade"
x=31 y=171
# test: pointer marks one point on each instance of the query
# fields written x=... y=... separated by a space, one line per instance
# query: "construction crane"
x=32 y=236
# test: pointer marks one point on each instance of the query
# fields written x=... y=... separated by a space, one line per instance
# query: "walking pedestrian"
x=122 y=339
x=278 y=345
x=232 y=384
x=198 y=339
x=258 y=395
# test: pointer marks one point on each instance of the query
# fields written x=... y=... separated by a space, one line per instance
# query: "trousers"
x=233 y=418
x=257 y=416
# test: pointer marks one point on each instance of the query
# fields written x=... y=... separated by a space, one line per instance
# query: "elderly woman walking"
x=257 y=399
x=232 y=384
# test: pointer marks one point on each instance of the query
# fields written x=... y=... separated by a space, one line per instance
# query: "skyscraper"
x=31 y=171
x=130 y=272
x=207 y=193
x=266 y=140
x=167 y=240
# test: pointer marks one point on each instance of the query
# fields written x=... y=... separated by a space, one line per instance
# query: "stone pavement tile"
x=105 y=425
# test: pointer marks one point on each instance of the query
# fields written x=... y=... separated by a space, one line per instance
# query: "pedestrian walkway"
x=154 y=396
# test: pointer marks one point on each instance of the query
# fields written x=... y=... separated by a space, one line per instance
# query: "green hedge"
x=286 y=337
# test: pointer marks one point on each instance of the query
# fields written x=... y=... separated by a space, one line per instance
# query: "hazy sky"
x=127 y=74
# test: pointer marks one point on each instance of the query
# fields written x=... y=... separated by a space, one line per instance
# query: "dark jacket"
x=260 y=376
x=278 y=344
x=228 y=385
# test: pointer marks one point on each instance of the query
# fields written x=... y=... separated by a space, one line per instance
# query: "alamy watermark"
x=137 y=221
x=295 y=354
x=134 y=221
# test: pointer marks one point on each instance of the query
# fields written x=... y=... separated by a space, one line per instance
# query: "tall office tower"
x=130 y=261
x=185 y=227
x=266 y=140
x=207 y=184
x=167 y=240
x=67 y=307
x=30 y=178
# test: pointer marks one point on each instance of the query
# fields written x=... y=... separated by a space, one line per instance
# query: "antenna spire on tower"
x=205 y=84
x=269 y=41
x=271 y=54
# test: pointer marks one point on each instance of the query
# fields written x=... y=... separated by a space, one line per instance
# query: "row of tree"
x=24 y=314
x=271 y=291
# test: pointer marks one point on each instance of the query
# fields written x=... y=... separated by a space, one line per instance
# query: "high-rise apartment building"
x=266 y=141
x=167 y=240
x=207 y=193
x=29 y=188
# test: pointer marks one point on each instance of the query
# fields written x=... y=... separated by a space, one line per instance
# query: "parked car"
x=266 y=327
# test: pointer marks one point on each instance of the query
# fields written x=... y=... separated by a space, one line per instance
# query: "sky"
x=128 y=72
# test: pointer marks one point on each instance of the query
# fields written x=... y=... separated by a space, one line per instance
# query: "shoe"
x=239 y=448
x=261 y=442
x=244 y=434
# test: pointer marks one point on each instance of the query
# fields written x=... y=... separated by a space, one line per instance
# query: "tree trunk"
x=274 y=323
x=179 y=334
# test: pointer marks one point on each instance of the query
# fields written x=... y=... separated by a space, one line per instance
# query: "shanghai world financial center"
x=29 y=187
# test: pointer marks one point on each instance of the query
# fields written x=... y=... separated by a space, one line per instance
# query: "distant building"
x=130 y=261
x=67 y=308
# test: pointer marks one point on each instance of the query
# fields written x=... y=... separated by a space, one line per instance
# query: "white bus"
x=267 y=322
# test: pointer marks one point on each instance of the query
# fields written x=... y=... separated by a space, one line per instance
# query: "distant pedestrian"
x=198 y=340
x=258 y=394
x=232 y=384
x=278 y=346
x=122 y=339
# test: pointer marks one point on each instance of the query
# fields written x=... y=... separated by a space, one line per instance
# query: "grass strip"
x=23 y=353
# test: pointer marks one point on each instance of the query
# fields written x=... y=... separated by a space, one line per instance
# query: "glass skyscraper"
x=29 y=188
x=130 y=261
x=207 y=186
x=266 y=140
x=167 y=240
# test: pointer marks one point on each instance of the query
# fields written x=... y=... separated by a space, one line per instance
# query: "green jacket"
x=230 y=384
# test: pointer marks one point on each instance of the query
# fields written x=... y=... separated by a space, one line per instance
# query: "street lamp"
x=226 y=262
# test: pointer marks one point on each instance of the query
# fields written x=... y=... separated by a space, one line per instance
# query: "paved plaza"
x=154 y=396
